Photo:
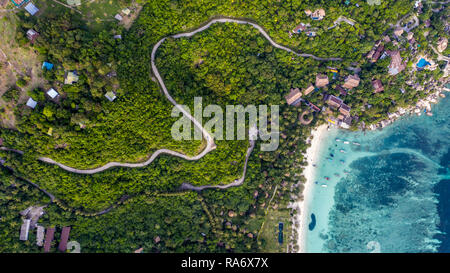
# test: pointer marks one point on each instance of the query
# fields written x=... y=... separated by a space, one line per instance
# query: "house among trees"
x=442 y=44
x=31 y=103
x=126 y=11
x=32 y=35
x=49 y=238
x=32 y=9
x=64 y=238
x=110 y=96
x=52 y=93
x=351 y=81
x=40 y=235
x=72 y=77
x=318 y=14
x=24 y=229
x=377 y=86
x=396 y=66
x=301 y=27
x=398 y=31
x=341 y=90
x=376 y=51
x=118 y=17
x=333 y=101
x=344 y=109
x=308 y=90
x=47 y=65
x=321 y=80
x=294 y=97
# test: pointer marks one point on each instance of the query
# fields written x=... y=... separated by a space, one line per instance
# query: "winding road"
x=209 y=139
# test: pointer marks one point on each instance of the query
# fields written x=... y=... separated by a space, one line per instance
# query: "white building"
x=31 y=103
x=52 y=93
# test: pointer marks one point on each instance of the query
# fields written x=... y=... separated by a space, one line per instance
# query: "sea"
x=383 y=191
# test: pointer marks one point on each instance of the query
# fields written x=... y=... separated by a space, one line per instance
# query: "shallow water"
x=389 y=194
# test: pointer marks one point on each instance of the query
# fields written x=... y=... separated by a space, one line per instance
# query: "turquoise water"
x=391 y=193
x=422 y=63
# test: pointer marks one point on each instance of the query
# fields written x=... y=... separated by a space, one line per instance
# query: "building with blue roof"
x=47 y=65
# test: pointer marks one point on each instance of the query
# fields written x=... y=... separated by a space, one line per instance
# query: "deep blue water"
x=397 y=193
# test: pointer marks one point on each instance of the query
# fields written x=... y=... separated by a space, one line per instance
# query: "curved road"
x=210 y=141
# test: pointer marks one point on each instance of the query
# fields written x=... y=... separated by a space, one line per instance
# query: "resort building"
x=32 y=9
x=300 y=28
x=32 y=35
x=396 y=66
x=318 y=14
x=72 y=77
x=47 y=65
x=294 y=97
x=377 y=86
x=333 y=101
x=410 y=35
x=117 y=36
x=310 y=33
x=40 y=235
x=341 y=90
x=321 y=80
x=49 y=238
x=345 y=109
x=110 y=96
x=442 y=44
x=308 y=90
x=24 y=229
x=126 y=11
x=52 y=93
x=376 y=52
x=31 y=103
x=398 y=31
x=118 y=17
x=64 y=238
x=351 y=81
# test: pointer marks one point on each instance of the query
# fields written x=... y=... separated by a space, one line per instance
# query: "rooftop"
x=351 y=81
x=32 y=9
x=52 y=93
x=321 y=80
x=64 y=238
x=31 y=103
x=293 y=97
x=378 y=86
x=49 y=238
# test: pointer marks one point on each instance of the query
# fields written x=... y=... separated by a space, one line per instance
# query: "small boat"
x=342 y=151
x=324 y=185
x=337 y=139
x=346 y=142
x=327 y=178
x=356 y=143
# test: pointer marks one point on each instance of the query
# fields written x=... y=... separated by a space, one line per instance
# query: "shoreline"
x=312 y=154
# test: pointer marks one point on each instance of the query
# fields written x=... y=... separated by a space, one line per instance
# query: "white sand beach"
x=311 y=156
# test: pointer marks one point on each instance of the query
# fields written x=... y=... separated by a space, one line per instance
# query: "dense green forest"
x=226 y=64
